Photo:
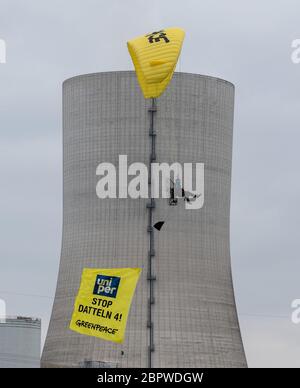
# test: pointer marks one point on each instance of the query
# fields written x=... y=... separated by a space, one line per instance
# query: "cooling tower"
x=20 y=342
x=183 y=313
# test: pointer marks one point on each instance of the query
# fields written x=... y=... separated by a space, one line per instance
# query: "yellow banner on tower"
x=102 y=305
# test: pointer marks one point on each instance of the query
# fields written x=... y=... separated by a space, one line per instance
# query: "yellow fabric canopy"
x=155 y=56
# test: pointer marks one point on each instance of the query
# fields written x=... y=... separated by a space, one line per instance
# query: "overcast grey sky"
x=245 y=42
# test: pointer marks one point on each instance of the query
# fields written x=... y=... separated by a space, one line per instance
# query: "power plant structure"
x=20 y=342
x=183 y=313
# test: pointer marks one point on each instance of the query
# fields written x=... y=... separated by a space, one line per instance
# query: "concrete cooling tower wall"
x=189 y=294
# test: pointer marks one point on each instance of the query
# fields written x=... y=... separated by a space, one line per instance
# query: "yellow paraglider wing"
x=155 y=57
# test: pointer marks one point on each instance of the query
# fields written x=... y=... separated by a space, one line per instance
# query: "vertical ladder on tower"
x=151 y=253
